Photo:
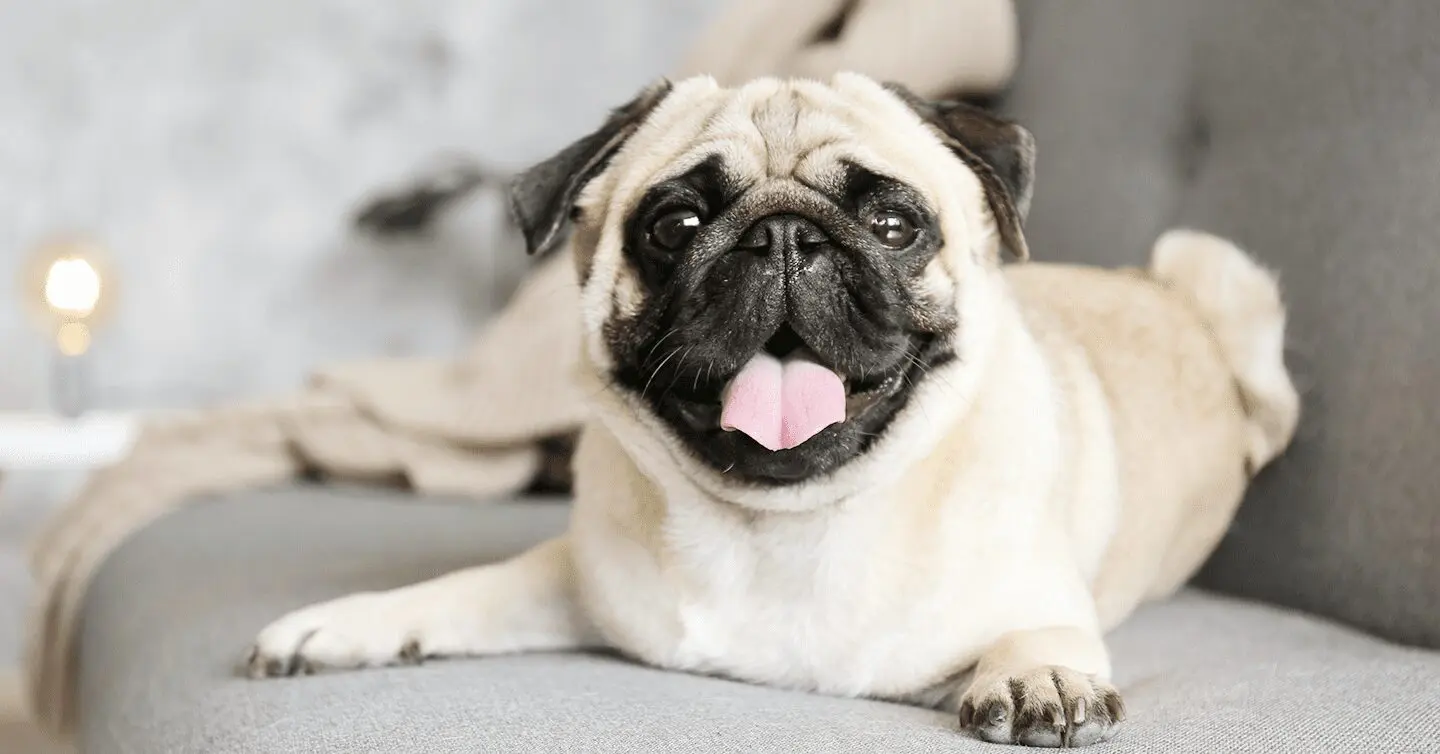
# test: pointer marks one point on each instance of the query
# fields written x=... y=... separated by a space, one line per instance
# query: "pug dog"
x=840 y=445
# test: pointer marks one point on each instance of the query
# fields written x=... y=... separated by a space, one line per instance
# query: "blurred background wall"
x=216 y=148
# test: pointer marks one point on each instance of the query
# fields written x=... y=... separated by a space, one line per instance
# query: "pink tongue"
x=782 y=404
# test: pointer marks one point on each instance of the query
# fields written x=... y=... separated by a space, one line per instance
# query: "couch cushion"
x=173 y=611
x=1306 y=132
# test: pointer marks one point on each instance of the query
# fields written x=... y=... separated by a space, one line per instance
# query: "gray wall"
x=216 y=148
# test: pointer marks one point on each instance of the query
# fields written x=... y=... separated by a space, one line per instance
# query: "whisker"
x=708 y=366
x=657 y=371
x=929 y=372
x=677 y=372
x=672 y=331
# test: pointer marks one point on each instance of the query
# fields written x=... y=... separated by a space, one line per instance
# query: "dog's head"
x=769 y=273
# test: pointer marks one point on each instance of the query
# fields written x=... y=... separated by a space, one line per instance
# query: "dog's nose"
x=783 y=234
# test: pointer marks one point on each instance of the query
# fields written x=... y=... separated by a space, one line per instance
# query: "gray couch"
x=1307 y=131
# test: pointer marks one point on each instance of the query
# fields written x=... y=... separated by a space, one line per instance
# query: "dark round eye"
x=893 y=229
x=674 y=229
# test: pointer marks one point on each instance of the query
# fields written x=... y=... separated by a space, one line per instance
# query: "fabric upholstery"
x=1307 y=133
x=173 y=611
x=1304 y=131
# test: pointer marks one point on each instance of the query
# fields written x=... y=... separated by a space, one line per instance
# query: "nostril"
x=809 y=234
x=784 y=232
x=755 y=239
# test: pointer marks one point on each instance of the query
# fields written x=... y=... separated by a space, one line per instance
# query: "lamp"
x=70 y=292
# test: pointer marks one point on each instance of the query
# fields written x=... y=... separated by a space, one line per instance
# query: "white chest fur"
x=883 y=595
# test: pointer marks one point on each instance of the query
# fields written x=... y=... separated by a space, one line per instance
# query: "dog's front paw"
x=1050 y=706
x=362 y=630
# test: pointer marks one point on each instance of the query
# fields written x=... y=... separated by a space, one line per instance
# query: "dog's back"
x=1189 y=357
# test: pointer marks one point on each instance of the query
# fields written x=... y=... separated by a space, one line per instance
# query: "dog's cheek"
x=628 y=298
x=620 y=337
x=634 y=320
x=934 y=297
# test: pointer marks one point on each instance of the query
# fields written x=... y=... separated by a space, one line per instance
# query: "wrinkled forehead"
x=769 y=130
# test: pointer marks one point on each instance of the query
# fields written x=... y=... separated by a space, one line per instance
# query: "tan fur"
x=1180 y=425
x=1083 y=454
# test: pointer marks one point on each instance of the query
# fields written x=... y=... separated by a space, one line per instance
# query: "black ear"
x=542 y=197
x=1000 y=153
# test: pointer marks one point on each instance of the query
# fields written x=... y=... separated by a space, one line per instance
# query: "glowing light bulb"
x=69 y=289
x=72 y=287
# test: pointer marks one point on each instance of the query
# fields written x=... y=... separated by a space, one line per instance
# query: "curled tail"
x=1240 y=301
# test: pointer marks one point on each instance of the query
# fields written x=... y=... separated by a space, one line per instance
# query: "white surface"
x=43 y=441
